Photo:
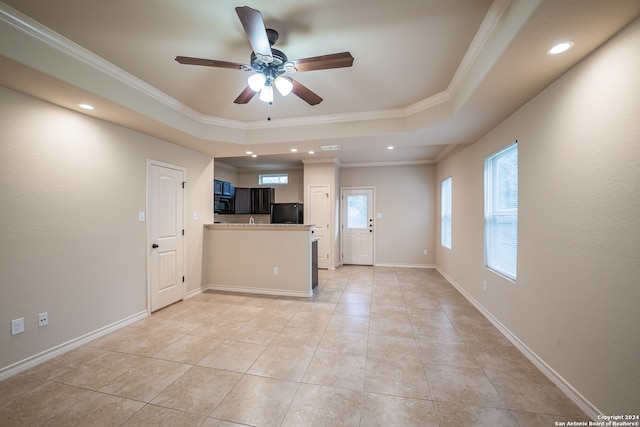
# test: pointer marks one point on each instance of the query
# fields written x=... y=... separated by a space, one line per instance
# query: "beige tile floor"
x=372 y=347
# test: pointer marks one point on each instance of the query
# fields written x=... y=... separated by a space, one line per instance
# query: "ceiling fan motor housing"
x=272 y=69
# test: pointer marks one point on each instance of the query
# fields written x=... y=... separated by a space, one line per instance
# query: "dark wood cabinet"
x=253 y=200
x=261 y=199
x=314 y=264
x=243 y=200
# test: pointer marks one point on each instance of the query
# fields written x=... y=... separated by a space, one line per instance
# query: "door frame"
x=148 y=242
x=373 y=215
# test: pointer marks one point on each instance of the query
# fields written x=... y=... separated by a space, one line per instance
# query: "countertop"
x=245 y=227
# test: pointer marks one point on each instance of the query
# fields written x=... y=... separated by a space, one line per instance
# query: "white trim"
x=587 y=407
x=403 y=265
x=42 y=357
x=196 y=292
x=264 y=291
x=398 y=163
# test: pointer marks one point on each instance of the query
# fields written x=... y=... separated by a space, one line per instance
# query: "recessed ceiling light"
x=254 y=155
x=248 y=152
x=311 y=152
x=390 y=147
x=294 y=150
x=559 y=48
x=86 y=106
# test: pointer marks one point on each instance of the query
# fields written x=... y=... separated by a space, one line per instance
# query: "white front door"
x=319 y=208
x=357 y=226
x=165 y=222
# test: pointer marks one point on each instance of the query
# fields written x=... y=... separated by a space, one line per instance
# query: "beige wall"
x=243 y=258
x=72 y=246
x=405 y=196
x=291 y=192
x=575 y=304
x=286 y=193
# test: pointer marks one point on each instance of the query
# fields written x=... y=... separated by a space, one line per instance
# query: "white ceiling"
x=427 y=75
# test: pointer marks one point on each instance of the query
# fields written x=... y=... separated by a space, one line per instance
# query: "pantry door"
x=319 y=217
x=166 y=233
x=357 y=225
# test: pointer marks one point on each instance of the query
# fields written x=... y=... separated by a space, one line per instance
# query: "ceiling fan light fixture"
x=266 y=94
x=284 y=85
x=256 y=81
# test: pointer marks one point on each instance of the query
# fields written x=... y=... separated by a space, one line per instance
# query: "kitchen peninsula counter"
x=274 y=259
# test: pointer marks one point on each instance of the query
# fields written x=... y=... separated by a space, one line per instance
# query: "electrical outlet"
x=275 y=271
x=425 y=252
x=484 y=285
x=17 y=326
x=43 y=319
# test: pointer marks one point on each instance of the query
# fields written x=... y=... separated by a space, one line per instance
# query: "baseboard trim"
x=587 y=407
x=264 y=291
x=195 y=292
x=39 y=358
x=401 y=265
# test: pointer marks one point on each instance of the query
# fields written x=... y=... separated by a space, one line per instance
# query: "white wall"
x=71 y=243
x=406 y=197
x=576 y=300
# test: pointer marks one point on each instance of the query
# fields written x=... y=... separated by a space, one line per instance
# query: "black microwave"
x=223 y=205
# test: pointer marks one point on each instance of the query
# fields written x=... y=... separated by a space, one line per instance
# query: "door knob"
x=155 y=245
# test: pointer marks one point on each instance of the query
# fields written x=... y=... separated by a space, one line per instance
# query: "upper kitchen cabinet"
x=243 y=200
x=261 y=199
x=227 y=189
x=254 y=200
x=222 y=188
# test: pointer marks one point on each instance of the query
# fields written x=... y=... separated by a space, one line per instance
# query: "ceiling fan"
x=270 y=64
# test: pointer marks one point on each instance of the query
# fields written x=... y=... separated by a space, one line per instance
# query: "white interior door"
x=357 y=226
x=165 y=221
x=319 y=208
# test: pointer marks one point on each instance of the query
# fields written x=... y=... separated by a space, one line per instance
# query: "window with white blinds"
x=445 y=205
x=501 y=211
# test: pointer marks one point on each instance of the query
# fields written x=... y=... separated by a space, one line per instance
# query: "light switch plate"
x=17 y=326
x=141 y=216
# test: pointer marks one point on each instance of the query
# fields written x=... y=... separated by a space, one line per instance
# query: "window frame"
x=446 y=226
x=262 y=176
x=499 y=257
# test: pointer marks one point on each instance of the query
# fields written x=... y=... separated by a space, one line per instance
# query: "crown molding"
x=63 y=45
x=500 y=24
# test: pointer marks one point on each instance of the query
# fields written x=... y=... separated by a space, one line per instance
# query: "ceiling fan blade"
x=323 y=62
x=245 y=96
x=212 y=63
x=253 y=24
x=305 y=93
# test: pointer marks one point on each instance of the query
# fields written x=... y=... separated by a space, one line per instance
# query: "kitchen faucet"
x=251 y=221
